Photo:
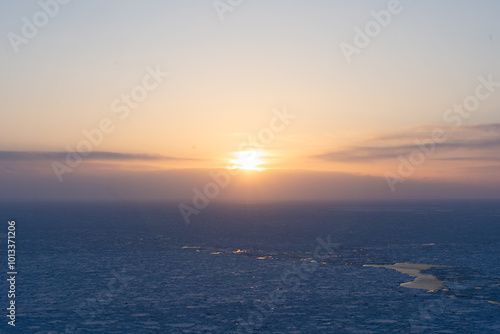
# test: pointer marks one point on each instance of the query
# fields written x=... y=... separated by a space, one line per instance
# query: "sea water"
x=253 y=267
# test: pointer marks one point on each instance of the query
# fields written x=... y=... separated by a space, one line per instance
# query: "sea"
x=121 y=267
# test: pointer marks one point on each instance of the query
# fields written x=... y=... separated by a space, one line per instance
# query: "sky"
x=289 y=100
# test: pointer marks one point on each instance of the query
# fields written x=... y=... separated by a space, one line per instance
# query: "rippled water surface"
x=266 y=268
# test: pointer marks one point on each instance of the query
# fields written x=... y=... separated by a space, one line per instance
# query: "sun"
x=247 y=160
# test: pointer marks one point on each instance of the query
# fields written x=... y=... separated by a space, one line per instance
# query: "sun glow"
x=247 y=160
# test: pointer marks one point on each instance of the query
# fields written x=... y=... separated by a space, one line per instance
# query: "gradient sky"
x=353 y=120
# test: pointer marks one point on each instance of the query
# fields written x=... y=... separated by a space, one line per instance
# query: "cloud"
x=272 y=185
x=38 y=156
x=472 y=158
x=492 y=170
x=425 y=131
x=492 y=127
x=483 y=137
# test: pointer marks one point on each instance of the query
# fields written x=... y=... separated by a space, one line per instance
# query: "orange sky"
x=168 y=87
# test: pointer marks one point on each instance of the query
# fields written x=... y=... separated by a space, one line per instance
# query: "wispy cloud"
x=37 y=156
x=483 y=137
x=472 y=158
x=491 y=170
x=491 y=127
